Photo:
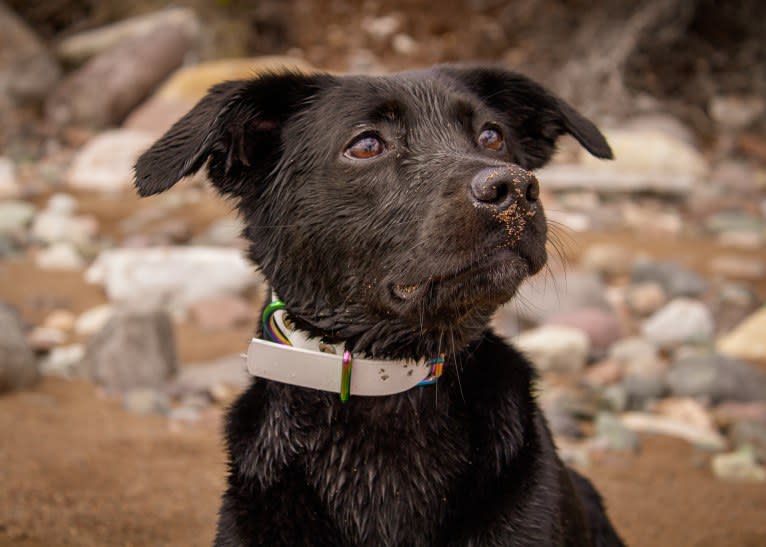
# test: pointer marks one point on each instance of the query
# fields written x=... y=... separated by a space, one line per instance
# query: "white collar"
x=310 y=363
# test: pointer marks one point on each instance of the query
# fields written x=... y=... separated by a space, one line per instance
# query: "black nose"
x=502 y=186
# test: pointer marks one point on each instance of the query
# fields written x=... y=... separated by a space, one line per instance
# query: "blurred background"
x=122 y=321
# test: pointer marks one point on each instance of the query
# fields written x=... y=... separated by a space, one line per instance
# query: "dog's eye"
x=492 y=139
x=365 y=147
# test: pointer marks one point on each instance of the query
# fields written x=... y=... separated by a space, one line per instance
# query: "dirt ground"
x=76 y=469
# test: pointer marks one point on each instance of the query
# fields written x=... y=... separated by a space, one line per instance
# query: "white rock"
x=106 y=162
x=9 y=186
x=52 y=227
x=681 y=320
x=15 y=215
x=661 y=425
x=404 y=44
x=381 y=27
x=645 y=160
x=93 y=320
x=736 y=112
x=60 y=256
x=62 y=204
x=63 y=361
x=170 y=276
x=741 y=465
x=555 y=348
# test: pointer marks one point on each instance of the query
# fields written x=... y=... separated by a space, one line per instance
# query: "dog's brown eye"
x=365 y=147
x=491 y=138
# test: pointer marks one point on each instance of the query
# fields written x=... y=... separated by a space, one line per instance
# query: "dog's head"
x=395 y=213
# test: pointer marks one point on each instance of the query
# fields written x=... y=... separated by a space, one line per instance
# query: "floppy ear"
x=536 y=116
x=237 y=125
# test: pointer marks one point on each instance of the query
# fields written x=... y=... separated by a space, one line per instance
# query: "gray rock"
x=544 y=296
x=106 y=88
x=555 y=348
x=146 y=401
x=614 y=435
x=205 y=378
x=82 y=46
x=750 y=433
x=674 y=278
x=134 y=349
x=602 y=327
x=681 y=321
x=717 y=378
x=171 y=276
x=644 y=387
x=18 y=369
x=27 y=71
x=741 y=465
x=615 y=398
x=15 y=216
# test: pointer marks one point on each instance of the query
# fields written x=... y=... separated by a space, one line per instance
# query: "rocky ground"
x=121 y=321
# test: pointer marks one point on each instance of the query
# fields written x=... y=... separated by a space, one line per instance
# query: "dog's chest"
x=385 y=472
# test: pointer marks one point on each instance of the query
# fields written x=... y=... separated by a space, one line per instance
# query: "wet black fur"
x=468 y=461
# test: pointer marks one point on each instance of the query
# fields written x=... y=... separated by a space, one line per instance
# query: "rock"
x=27 y=71
x=134 y=349
x=404 y=44
x=646 y=298
x=646 y=160
x=680 y=321
x=734 y=220
x=206 y=378
x=221 y=312
x=555 y=348
x=364 y=61
x=661 y=425
x=602 y=327
x=614 y=435
x=716 y=378
x=382 y=27
x=685 y=410
x=738 y=466
x=750 y=433
x=736 y=112
x=171 y=276
x=675 y=279
x=146 y=401
x=738 y=267
x=746 y=340
x=106 y=88
x=607 y=259
x=634 y=353
x=57 y=223
x=576 y=222
x=60 y=256
x=9 y=186
x=93 y=320
x=187 y=85
x=15 y=216
x=60 y=319
x=615 y=398
x=106 y=162
x=727 y=414
x=224 y=233
x=45 y=338
x=732 y=304
x=18 y=369
x=80 y=47
x=65 y=361
x=602 y=374
x=562 y=424
x=185 y=414
x=644 y=386
x=543 y=296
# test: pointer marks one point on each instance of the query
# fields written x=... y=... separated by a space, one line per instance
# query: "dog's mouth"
x=493 y=277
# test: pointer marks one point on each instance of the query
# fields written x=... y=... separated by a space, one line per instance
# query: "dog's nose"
x=502 y=186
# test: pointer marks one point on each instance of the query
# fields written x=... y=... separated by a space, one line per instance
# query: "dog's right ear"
x=238 y=123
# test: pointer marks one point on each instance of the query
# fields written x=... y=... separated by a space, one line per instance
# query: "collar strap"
x=292 y=358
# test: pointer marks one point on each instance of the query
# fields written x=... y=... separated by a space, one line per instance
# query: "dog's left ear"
x=237 y=125
x=536 y=116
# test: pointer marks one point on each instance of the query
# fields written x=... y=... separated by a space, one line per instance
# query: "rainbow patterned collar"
x=292 y=358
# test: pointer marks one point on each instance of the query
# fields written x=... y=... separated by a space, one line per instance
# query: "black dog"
x=393 y=215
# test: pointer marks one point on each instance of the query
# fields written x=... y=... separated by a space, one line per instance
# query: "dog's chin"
x=446 y=299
